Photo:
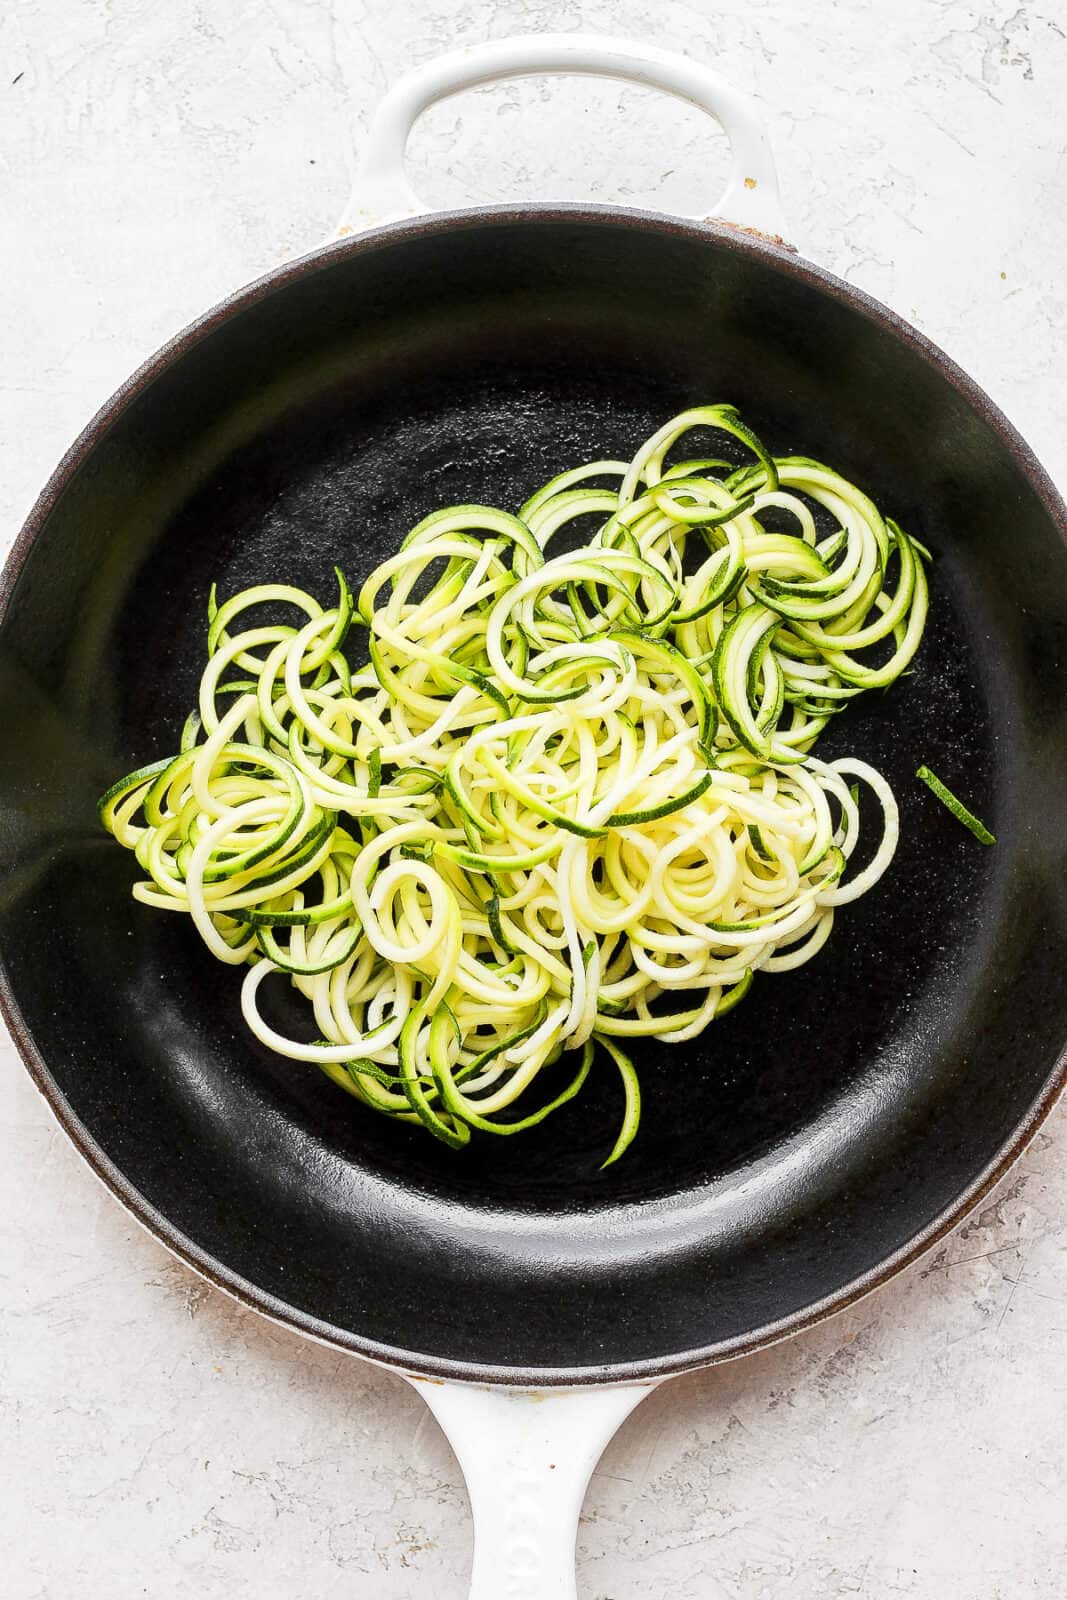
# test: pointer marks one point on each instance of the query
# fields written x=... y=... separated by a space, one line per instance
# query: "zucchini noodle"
x=570 y=799
x=952 y=803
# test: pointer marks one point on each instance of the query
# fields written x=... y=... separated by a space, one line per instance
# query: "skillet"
x=811 y=1143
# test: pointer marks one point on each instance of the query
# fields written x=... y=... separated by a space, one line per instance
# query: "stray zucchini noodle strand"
x=570 y=799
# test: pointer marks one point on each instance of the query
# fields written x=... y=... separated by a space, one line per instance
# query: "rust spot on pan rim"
x=216 y=1272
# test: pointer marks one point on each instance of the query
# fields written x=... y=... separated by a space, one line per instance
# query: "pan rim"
x=203 y=1262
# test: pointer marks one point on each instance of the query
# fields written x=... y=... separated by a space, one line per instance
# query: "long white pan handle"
x=527 y=1458
x=382 y=192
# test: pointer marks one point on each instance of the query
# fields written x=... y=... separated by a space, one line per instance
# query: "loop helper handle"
x=383 y=194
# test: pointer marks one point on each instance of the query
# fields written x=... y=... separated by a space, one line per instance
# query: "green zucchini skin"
x=956 y=806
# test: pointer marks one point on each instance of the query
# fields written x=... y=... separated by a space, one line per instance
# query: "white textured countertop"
x=156 y=1440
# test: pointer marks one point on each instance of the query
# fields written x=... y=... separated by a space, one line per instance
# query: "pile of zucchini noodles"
x=570 y=799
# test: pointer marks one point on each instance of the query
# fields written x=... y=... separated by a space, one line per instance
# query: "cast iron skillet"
x=807 y=1146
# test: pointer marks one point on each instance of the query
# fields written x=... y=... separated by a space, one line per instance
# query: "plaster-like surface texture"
x=154 y=1440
